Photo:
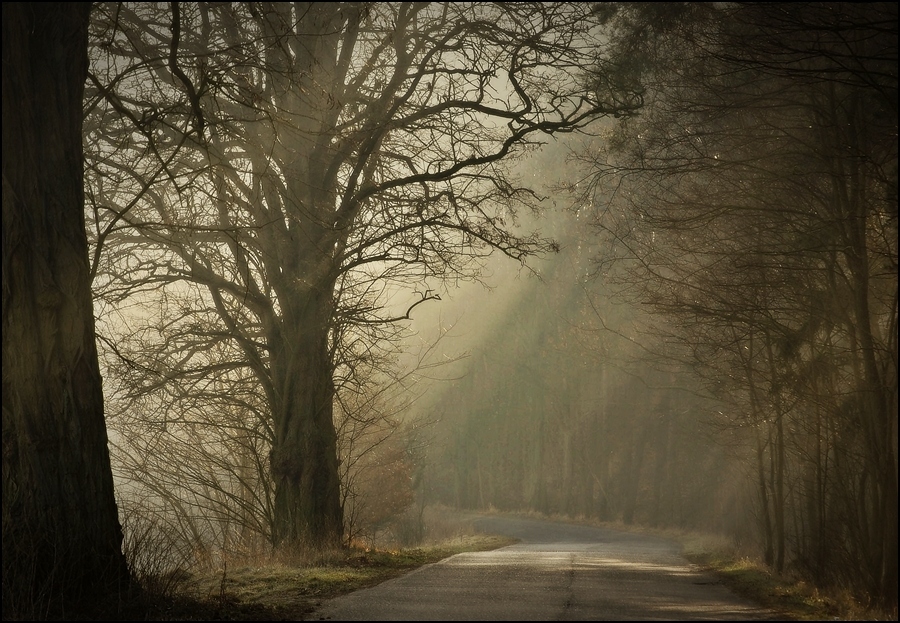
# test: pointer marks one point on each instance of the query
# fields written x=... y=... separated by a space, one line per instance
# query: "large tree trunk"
x=304 y=454
x=61 y=534
x=300 y=77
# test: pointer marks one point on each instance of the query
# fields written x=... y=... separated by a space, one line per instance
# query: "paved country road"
x=557 y=572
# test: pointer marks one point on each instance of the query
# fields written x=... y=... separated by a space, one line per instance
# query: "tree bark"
x=61 y=533
x=304 y=454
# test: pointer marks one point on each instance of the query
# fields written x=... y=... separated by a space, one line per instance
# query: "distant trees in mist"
x=566 y=409
x=750 y=212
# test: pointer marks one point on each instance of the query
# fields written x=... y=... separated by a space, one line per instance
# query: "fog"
x=614 y=275
x=632 y=263
x=549 y=397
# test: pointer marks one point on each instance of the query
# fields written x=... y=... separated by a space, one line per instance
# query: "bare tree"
x=293 y=167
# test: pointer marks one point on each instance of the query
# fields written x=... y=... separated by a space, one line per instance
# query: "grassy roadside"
x=785 y=593
x=292 y=590
x=745 y=574
x=285 y=591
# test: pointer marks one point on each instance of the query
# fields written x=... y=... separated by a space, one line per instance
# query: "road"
x=557 y=572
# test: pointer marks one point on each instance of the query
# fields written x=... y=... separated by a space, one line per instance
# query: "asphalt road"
x=558 y=572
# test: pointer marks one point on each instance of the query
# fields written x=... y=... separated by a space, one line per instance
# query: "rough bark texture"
x=304 y=454
x=61 y=534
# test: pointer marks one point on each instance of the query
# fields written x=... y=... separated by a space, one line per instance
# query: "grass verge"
x=282 y=591
x=789 y=595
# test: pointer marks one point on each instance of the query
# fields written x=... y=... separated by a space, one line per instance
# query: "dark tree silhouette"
x=61 y=534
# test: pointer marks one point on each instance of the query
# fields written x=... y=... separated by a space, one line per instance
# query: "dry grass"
x=786 y=593
x=290 y=587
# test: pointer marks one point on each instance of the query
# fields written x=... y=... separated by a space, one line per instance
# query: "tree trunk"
x=61 y=534
x=304 y=454
x=662 y=468
x=848 y=123
x=632 y=475
x=769 y=541
x=779 y=496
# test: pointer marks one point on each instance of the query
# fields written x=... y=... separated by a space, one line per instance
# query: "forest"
x=283 y=275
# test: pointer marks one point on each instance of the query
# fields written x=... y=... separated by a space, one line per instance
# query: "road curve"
x=557 y=572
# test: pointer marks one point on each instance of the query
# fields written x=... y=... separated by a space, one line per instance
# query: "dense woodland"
x=225 y=224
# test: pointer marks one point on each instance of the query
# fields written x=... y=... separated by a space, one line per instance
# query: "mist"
x=625 y=263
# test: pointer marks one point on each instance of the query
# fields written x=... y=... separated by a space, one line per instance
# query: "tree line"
x=746 y=224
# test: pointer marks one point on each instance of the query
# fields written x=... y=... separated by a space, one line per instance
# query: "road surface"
x=557 y=572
